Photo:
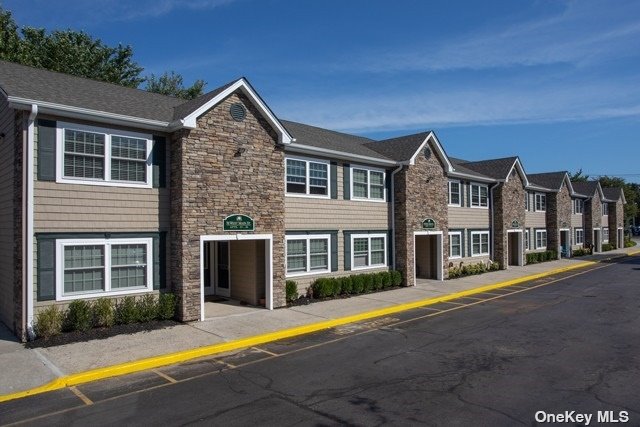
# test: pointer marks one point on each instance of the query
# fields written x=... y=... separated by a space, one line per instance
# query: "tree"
x=579 y=176
x=79 y=54
x=172 y=84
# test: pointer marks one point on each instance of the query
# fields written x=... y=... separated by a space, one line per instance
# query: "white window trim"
x=479 y=206
x=576 y=236
x=608 y=235
x=488 y=243
x=527 y=201
x=308 y=237
x=369 y=170
x=575 y=203
x=108 y=133
x=545 y=239
x=535 y=202
x=306 y=194
x=460 y=192
x=459 y=233
x=369 y=236
x=60 y=245
x=605 y=206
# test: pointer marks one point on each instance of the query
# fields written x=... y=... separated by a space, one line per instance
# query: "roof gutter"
x=471 y=177
x=307 y=149
x=88 y=114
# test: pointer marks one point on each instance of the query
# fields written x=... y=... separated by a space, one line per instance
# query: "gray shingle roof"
x=493 y=168
x=612 y=193
x=331 y=140
x=588 y=188
x=401 y=148
x=552 y=180
x=48 y=86
x=458 y=166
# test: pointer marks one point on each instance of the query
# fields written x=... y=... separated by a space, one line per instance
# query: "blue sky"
x=555 y=82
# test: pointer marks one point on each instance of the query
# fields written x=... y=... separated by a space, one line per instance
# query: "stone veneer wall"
x=593 y=218
x=616 y=220
x=420 y=192
x=210 y=180
x=508 y=205
x=558 y=215
x=18 y=223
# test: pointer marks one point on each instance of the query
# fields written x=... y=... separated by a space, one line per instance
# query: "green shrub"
x=368 y=282
x=385 y=276
x=579 y=252
x=102 y=313
x=322 y=288
x=607 y=247
x=146 y=308
x=79 y=316
x=291 y=290
x=358 y=283
x=494 y=266
x=377 y=281
x=166 y=306
x=455 y=272
x=336 y=286
x=347 y=285
x=49 y=322
x=396 y=278
x=126 y=312
x=628 y=243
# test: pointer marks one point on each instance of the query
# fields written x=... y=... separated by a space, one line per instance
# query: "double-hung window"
x=454 y=193
x=578 y=206
x=526 y=240
x=541 y=239
x=368 y=251
x=605 y=235
x=479 y=243
x=91 y=155
x=605 y=208
x=307 y=177
x=479 y=196
x=308 y=254
x=367 y=183
x=455 y=244
x=579 y=236
x=92 y=267
x=541 y=202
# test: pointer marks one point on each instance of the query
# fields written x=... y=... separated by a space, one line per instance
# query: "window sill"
x=87 y=295
x=121 y=184
x=479 y=207
x=362 y=199
x=307 y=196
x=307 y=273
x=370 y=267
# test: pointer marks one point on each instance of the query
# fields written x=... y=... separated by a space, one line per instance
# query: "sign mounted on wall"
x=515 y=223
x=238 y=222
x=428 y=224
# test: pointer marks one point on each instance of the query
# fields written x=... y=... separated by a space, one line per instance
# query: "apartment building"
x=110 y=191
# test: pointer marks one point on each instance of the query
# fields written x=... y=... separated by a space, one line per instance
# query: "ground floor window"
x=605 y=234
x=308 y=254
x=579 y=236
x=479 y=243
x=455 y=244
x=368 y=250
x=103 y=266
x=541 y=239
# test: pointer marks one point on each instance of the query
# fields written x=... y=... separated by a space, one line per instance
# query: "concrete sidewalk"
x=24 y=369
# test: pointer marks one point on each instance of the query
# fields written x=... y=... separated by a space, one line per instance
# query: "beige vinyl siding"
x=535 y=219
x=469 y=217
x=247 y=281
x=577 y=221
x=7 y=229
x=604 y=222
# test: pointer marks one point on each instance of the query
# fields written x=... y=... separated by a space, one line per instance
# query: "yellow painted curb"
x=210 y=350
x=633 y=253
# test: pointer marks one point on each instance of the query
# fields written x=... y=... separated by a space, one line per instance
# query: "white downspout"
x=29 y=243
x=493 y=224
x=393 y=215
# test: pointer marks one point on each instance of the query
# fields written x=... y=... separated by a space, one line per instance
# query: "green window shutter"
x=46 y=150
x=469 y=243
x=46 y=269
x=334 y=251
x=346 y=181
x=389 y=248
x=159 y=257
x=387 y=177
x=158 y=161
x=463 y=241
x=334 y=180
x=347 y=251
x=468 y=186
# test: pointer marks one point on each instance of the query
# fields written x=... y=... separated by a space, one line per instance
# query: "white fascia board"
x=439 y=151
x=307 y=149
x=87 y=114
x=520 y=170
x=457 y=174
x=540 y=189
x=190 y=120
x=569 y=185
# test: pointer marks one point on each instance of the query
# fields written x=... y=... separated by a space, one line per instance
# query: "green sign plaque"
x=428 y=224
x=237 y=222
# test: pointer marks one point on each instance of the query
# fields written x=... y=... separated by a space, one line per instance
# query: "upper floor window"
x=578 y=206
x=454 y=193
x=479 y=196
x=91 y=155
x=541 y=202
x=605 y=209
x=307 y=177
x=367 y=183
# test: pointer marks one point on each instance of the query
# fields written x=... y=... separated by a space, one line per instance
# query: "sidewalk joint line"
x=48 y=363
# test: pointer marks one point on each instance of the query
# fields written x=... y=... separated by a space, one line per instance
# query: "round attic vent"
x=238 y=112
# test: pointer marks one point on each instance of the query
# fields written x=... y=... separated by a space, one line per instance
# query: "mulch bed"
x=100 y=333
x=305 y=300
